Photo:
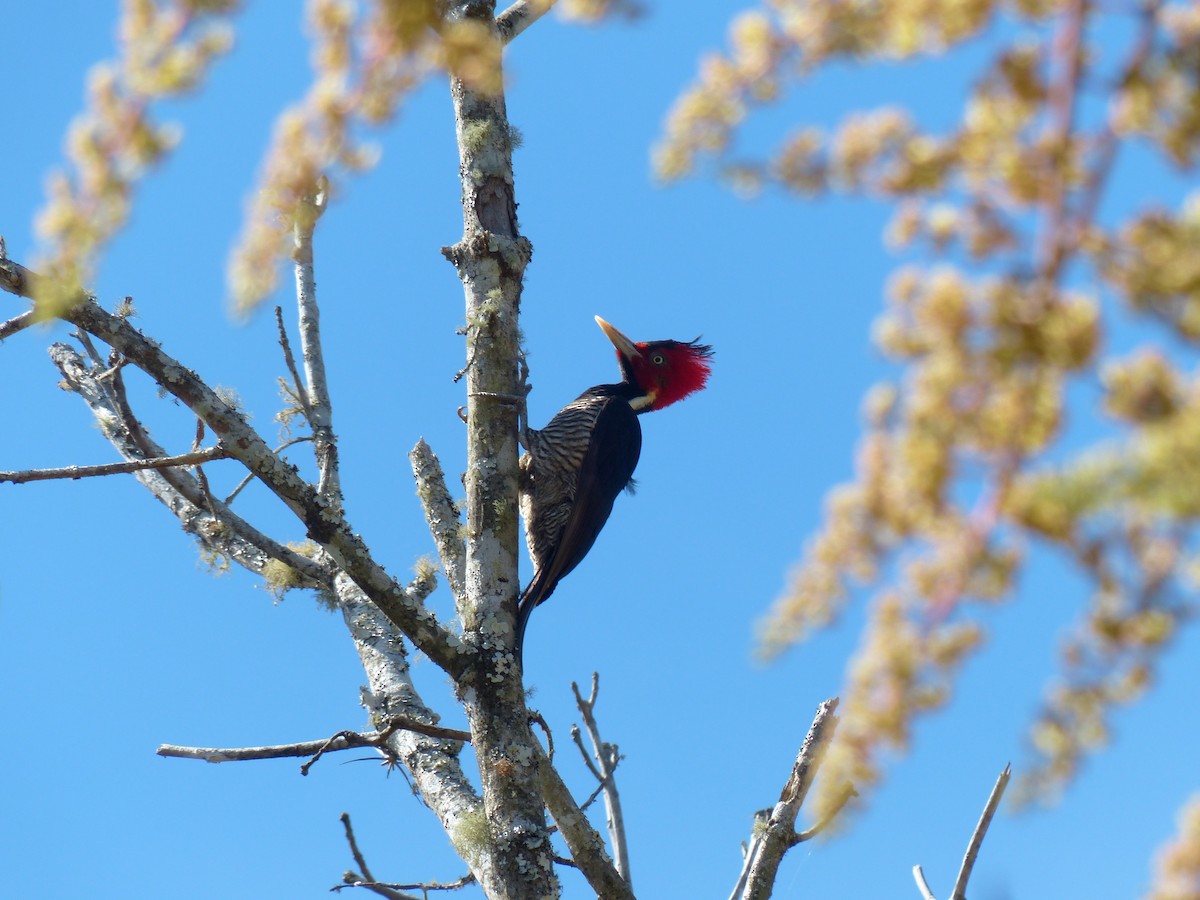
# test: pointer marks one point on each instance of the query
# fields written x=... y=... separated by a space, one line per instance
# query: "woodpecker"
x=575 y=467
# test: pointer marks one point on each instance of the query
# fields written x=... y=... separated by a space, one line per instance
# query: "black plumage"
x=575 y=467
x=574 y=470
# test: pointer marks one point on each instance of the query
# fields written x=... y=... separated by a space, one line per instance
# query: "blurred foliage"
x=1178 y=876
x=1012 y=285
x=367 y=58
x=164 y=51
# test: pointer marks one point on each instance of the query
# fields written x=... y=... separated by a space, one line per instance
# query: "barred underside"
x=550 y=473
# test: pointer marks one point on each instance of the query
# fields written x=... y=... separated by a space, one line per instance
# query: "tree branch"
x=16 y=279
x=607 y=756
x=985 y=819
x=318 y=406
x=343 y=740
x=17 y=323
x=585 y=844
x=520 y=16
x=777 y=831
x=351 y=879
x=442 y=516
x=217 y=527
x=133 y=465
x=490 y=259
x=959 y=891
x=325 y=523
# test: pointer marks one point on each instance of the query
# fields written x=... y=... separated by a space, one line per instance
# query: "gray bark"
x=491 y=259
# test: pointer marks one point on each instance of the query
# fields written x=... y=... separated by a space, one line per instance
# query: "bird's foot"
x=518 y=400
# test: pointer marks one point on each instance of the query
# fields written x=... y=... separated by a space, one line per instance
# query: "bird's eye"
x=658 y=359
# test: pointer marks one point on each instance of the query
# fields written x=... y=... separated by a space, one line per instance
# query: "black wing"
x=612 y=455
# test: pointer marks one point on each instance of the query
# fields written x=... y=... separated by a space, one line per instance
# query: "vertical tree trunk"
x=491 y=260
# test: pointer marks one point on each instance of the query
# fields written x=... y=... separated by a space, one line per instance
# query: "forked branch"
x=775 y=831
x=959 y=891
x=606 y=756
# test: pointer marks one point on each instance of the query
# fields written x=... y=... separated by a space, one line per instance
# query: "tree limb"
x=607 y=756
x=351 y=879
x=585 y=844
x=776 y=830
x=134 y=465
x=217 y=528
x=343 y=740
x=959 y=892
x=520 y=16
x=490 y=259
x=442 y=516
x=985 y=819
x=432 y=761
x=324 y=522
x=315 y=390
x=19 y=322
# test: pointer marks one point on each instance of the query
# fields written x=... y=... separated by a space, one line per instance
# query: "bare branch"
x=520 y=16
x=352 y=879
x=343 y=740
x=241 y=485
x=383 y=889
x=922 y=884
x=585 y=844
x=463 y=882
x=217 y=527
x=17 y=323
x=134 y=465
x=318 y=407
x=16 y=279
x=289 y=360
x=607 y=756
x=776 y=831
x=442 y=515
x=324 y=523
x=989 y=810
x=964 y=873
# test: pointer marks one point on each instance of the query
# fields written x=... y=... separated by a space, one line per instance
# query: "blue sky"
x=113 y=638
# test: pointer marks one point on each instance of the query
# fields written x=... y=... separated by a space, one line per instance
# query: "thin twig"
x=607 y=757
x=775 y=829
x=1108 y=143
x=388 y=889
x=520 y=16
x=134 y=465
x=314 y=390
x=586 y=846
x=922 y=884
x=535 y=716
x=343 y=740
x=964 y=873
x=359 y=859
x=385 y=889
x=17 y=323
x=289 y=360
x=441 y=514
x=989 y=810
x=249 y=478
x=201 y=477
x=1062 y=96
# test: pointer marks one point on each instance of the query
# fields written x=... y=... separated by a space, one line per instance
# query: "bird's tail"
x=533 y=595
x=523 y=610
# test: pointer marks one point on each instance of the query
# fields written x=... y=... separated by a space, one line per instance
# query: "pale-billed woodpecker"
x=575 y=467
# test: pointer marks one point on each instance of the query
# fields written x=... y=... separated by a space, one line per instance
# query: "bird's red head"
x=665 y=371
